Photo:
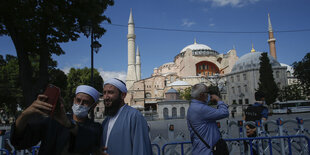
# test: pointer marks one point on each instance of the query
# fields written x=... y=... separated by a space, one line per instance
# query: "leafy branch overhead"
x=38 y=27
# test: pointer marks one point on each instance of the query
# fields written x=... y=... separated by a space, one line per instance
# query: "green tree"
x=186 y=93
x=37 y=27
x=10 y=87
x=291 y=92
x=10 y=90
x=266 y=82
x=78 y=77
x=302 y=72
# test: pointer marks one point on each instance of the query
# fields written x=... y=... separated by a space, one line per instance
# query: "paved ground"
x=160 y=128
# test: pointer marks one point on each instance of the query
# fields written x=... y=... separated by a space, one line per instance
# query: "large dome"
x=196 y=46
x=251 y=61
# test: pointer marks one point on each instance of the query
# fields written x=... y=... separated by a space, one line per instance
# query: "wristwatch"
x=72 y=125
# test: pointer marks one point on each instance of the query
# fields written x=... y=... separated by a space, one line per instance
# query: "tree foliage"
x=10 y=90
x=186 y=93
x=78 y=77
x=37 y=27
x=291 y=92
x=10 y=87
x=266 y=82
x=302 y=72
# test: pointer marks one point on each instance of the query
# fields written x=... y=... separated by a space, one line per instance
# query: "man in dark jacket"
x=59 y=134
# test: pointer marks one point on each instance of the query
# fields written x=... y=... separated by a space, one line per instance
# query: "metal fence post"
x=241 y=135
x=259 y=134
x=280 y=128
x=300 y=123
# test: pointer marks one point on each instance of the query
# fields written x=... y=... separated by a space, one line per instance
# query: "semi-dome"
x=172 y=91
x=196 y=46
x=251 y=61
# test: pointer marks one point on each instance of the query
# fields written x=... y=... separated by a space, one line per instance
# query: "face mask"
x=80 y=111
x=208 y=98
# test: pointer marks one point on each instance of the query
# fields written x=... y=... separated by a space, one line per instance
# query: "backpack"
x=253 y=113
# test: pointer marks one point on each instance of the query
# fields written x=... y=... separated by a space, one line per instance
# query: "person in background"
x=59 y=134
x=257 y=111
x=125 y=131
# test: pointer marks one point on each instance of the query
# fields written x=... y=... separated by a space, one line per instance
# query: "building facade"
x=243 y=80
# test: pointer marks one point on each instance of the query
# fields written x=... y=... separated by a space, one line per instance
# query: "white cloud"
x=113 y=74
x=67 y=68
x=187 y=23
x=233 y=3
x=211 y=25
x=104 y=74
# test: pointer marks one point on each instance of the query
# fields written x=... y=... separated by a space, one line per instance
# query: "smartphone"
x=53 y=93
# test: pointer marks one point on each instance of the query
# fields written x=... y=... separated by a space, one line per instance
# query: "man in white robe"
x=125 y=131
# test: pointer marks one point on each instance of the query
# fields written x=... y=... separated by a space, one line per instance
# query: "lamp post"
x=94 y=46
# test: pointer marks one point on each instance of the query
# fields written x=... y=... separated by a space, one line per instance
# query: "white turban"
x=117 y=83
x=89 y=91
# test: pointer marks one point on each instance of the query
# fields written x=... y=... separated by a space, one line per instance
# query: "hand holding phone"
x=53 y=93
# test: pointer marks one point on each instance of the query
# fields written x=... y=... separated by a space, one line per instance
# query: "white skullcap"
x=117 y=83
x=89 y=91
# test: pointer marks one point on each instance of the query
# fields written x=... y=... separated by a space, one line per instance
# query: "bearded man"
x=125 y=131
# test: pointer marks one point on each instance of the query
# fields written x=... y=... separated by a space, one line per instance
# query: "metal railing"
x=34 y=150
x=157 y=148
x=257 y=146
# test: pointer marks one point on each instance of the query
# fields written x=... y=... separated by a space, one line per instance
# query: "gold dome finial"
x=195 y=41
x=252 y=50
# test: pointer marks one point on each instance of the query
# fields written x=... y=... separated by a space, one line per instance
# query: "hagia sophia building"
x=236 y=77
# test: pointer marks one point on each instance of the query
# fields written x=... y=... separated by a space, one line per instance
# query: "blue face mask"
x=80 y=111
x=208 y=99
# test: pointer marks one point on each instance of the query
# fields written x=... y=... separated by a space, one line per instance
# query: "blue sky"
x=158 y=47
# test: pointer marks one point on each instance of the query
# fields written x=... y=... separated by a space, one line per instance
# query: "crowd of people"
x=124 y=129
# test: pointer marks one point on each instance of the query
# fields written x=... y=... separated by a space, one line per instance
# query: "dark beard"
x=112 y=111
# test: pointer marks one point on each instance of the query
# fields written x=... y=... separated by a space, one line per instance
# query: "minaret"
x=271 y=40
x=138 y=64
x=131 y=71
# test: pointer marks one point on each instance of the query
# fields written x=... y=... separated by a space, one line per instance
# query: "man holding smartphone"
x=59 y=133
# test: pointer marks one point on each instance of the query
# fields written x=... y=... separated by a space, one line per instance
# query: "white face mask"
x=80 y=111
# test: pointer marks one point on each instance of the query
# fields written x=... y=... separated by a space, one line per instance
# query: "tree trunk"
x=43 y=67
x=25 y=68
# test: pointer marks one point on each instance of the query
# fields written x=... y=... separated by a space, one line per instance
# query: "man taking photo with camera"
x=201 y=120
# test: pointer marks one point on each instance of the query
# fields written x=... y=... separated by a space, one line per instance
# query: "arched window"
x=182 y=112
x=166 y=111
x=245 y=88
x=174 y=112
x=206 y=68
x=277 y=74
x=279 y=85
x=148 y=95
